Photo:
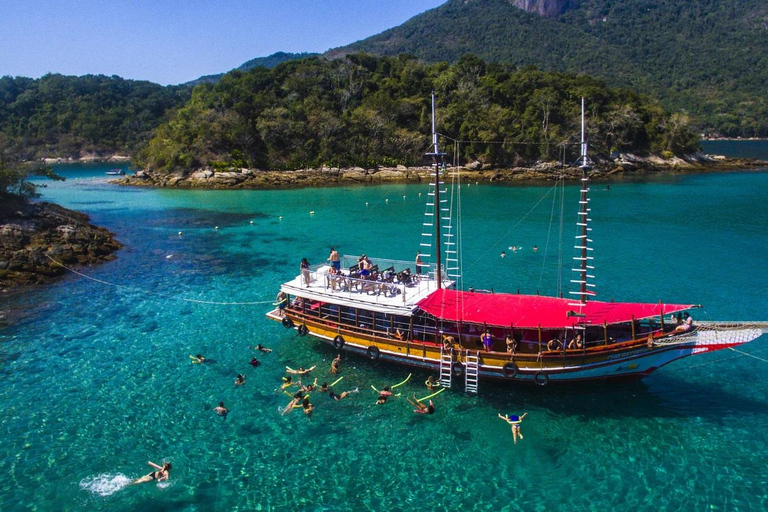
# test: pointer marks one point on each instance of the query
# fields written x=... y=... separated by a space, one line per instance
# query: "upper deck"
x=393 y=287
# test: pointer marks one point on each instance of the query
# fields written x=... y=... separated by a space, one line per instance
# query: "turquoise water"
x=95 y=377
x=737 y=148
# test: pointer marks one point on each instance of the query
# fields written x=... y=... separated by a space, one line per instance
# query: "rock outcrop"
x=33 y=237
x=623 y=164
x=546 y=8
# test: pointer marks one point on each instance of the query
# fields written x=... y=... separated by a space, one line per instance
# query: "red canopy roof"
x=532 y=311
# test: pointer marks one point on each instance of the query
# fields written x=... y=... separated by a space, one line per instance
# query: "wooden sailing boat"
x=412 y=314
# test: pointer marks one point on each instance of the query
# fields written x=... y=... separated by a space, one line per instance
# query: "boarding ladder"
x=471 y=372
x=446 y=367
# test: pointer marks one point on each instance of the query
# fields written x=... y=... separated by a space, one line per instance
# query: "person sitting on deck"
x=576 y=342
x=511 y=344
x=487 y=340
x=687 y=324
x=554 y=344
x=399 y=334
x=448 y=342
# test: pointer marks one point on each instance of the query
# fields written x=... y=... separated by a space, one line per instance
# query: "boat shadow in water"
x=675 y=398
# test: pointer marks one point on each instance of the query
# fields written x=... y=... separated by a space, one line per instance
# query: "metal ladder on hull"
x=446 y=367
x=471 y=372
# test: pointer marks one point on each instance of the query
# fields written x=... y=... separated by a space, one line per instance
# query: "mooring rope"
x=133 y=288
x=750 y=355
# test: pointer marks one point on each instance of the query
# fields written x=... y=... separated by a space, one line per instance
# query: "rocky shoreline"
x=34 y=236
x=626 y=166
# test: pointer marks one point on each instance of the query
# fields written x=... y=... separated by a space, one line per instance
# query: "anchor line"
x=131 y=288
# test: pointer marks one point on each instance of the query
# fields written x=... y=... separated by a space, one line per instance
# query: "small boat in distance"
x=412 y=313
x=116 y=172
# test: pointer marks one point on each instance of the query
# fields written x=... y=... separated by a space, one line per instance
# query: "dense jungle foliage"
x=63 y=116
x=707 y=57
x=364 y=111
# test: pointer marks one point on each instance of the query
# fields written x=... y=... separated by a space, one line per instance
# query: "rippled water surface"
x=96 y=379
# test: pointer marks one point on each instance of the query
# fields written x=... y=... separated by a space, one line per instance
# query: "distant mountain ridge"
x=707 y=57
x=267 y=62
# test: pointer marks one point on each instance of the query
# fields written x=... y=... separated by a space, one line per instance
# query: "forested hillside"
x=707 y=57
x=66 y=116
x=366 y=111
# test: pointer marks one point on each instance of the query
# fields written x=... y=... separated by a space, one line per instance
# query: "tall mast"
x=582 y=240
x=437 y=158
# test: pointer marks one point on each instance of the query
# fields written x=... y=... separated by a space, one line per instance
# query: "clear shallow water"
x=96 y=379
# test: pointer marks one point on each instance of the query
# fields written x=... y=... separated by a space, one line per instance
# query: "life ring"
x=287 y=322
x=457 y=369
x=510 y=370
x=338 y=342
x=302 y=330
x=373 y=352
x=541 y=378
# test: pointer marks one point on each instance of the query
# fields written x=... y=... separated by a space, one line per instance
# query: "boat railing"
x=389 y=279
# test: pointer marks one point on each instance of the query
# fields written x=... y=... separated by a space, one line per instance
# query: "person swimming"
x=254 y=362
x=162 y=473
x=197 y=359
x=262 y=348
x=336 y=364
x=422 y=408
x=383 y=395
x=221 y=410
x=240 y=380
x=300 y=371
x=432 y=383
x=514 y=421
x=287 y=382
x=343 y=395
x=307 y=407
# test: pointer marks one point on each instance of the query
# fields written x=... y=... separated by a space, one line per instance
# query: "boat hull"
x=625 y=361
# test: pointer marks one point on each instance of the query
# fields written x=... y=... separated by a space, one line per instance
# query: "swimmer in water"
x=254 y=362
x=432 y=383
x=308 y=407
x=198 y=359
x=262 y=348
x=343 y=395
x=162 y=473
x=221 y=410
x=300 y=371
x=336 y=364
x=308 y=387
x=240 y=380
x=383 y=395
x=421 y=408
x=287 y=382
x=514 y=421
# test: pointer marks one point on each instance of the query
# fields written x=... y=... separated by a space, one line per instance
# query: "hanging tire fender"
x=302 y=330
x=373 y=353
x=457 y=369
x=541 y=378
x=287 y=322
x=338 y=342
x=510 y=370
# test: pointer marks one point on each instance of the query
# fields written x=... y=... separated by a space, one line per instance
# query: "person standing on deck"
x=304 y=266
x=334 y=259
x=419 y=263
